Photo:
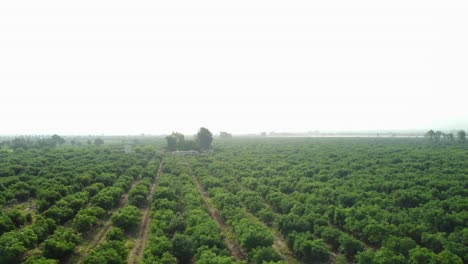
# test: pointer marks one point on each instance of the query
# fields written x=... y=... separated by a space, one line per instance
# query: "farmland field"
x=250 y=200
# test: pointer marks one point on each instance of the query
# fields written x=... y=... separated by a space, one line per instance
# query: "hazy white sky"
x=130 y=67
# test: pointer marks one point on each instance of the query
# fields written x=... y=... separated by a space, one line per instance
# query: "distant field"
x=252 y=200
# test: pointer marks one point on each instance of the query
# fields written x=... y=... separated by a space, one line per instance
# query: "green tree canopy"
x=98 y=141
x=461 y=135
x=127 y=217
x=204 y=138
x=58 y=139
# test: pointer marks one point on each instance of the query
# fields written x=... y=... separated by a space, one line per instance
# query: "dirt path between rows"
x=278 y=241
x=137 y=252
x=107 y=226
x=102 y=234
x=283 y=249
x=231 y=244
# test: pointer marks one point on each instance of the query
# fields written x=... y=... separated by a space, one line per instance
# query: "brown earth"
x=231 y=244
x=137 y=252
x=105 y=229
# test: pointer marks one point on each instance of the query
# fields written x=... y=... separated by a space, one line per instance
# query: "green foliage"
x=61 y=243
x=94 y=188
x=350 y=246
x=14 y=244
x=267 y=216
x=167 y=258
x=204 y=138
x=84 y=222
x=331 y=236
x=35 y=142
x=171 y=142
x=115 y=234
x=225 y=135
x=58 y=139
x=55 y=187
x=157 y=246
x=108 y=252
x=183 y=247
x=127 y=218
x=59 y=213
x=252 y=235
x=43 y=227
x=210 y=257
x=447 y=257
x=461 y=136
x=366 y=257
x=87 y=218
x=177 y=141
x=40 y=260
x=353 y=193
x=375 y=232
x=386 y=256
x=308 y=249
x=105 y=178
x=400 y=245
x=138 y=194
x=401 y=197
x=292 y=222
x=107 y=197
x=261 y=255
x=98 y=141
x=420 y=255
x=181 y=229
x=5 y=223
x=435 y=242
x=204 y=232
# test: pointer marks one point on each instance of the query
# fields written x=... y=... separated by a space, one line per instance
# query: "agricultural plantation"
x=329 y=132
x=240 y=200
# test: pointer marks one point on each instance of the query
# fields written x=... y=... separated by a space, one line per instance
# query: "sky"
x=153 y=67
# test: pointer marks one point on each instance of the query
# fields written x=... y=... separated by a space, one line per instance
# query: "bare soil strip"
x=280 y=246
x=278 y=242
x=231 y=244
x=137 y=251
x=107 y=225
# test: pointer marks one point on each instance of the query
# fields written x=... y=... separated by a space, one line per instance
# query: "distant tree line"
x=439 y=136
x=34 y=142
x=30 y=142
x=177 y=141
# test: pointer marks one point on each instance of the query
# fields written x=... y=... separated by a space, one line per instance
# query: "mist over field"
x=119 y=68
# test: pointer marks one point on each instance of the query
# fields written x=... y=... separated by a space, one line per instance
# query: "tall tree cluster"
x=439 y=136
x=177 y=141
x=204 y=138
